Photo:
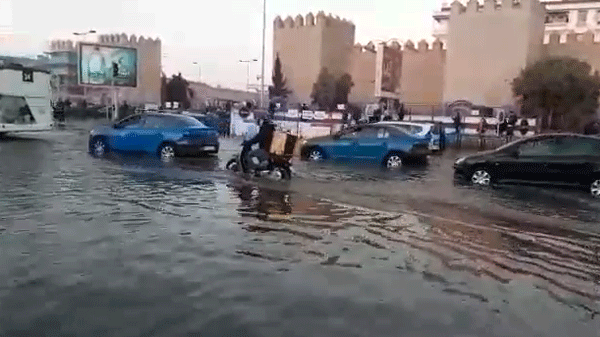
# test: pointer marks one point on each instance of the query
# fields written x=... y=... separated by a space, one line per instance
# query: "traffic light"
x=115 y=68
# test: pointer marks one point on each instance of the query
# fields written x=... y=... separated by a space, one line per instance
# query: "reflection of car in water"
x=265 y=204
x=554 y=159
x=382 y=143
x=166 y=135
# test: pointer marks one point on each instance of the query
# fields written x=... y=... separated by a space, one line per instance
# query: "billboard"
x=95 y=65
x=388 y=72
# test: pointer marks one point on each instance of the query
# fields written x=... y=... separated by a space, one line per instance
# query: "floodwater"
x=128 y=246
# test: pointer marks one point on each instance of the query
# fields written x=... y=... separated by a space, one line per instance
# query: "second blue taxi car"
x=166 y=135
x=385 y=144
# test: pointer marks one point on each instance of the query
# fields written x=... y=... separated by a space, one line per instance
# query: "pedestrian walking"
x=481 y=129
x=457 y=119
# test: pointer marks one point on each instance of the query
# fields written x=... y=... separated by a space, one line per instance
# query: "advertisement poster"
x=388 y=72
x=95 y=65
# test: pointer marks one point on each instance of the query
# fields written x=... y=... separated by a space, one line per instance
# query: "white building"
x=564 y=16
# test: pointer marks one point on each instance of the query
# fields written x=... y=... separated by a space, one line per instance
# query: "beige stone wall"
x=422 y=80
x=306 y=44
x=362 y=71
x=149 y=68
x=487 y=48
x=204 y=92
x=580 y=46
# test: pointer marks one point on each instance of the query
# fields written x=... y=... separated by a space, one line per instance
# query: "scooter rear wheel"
x=232 y=165
x=281 y=173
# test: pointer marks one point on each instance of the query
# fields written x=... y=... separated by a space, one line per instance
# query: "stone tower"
x=488 y=45
x=307 y=44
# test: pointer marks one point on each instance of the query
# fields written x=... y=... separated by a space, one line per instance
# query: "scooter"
x=275 y=167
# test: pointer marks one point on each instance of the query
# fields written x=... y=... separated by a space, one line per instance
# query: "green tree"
x=343 y=86
x=278 y=89
x=323 y=92
x=562 y=92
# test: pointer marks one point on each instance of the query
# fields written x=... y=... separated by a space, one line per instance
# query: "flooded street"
x=128 y=246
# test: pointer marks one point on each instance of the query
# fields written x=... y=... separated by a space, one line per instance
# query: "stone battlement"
x=421 y=46
x=320 y=20
x=487 y=6
x=107 y=39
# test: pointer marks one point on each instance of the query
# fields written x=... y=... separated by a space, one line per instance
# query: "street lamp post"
x=84 y=34
x=199 y=71
x=248 y=69
x=262 y=73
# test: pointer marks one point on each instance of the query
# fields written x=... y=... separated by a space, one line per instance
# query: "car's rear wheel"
x=393 y=161
x=595 y=188
x=316 y=154
x=166 y=152
x=99 y=147
x=481 y=177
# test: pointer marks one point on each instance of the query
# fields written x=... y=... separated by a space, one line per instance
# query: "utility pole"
x=262 y=73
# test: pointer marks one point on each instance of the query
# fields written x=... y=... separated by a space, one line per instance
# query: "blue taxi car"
x=163 y=134
x=385 y=144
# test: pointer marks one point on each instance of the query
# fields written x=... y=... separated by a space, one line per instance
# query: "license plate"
x=208 y=148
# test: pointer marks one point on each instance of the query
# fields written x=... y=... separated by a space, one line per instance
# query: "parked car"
x=219 y=122
x=166 y=135
x=556 y=159
x=382 y=143
x=427 y=131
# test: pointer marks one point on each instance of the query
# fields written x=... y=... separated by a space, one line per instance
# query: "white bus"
x=24 y=99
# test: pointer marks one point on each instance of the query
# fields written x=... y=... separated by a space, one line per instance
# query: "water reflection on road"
x=130 y=246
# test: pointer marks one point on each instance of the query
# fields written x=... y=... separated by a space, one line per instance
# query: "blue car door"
x=371 y=143
x=342 y=147
x=152 y=133
x=126 y=135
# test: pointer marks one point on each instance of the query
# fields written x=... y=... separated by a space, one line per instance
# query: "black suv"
x=556 y=159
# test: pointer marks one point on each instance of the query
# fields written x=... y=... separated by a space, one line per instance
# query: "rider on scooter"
x=266 y=131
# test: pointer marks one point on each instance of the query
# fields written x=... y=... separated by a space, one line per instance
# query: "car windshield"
x=400 y=131
x=410 y=129
x=510 y=145
x=185 y=121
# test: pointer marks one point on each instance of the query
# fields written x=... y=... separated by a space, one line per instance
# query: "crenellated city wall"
x=308 y=43
x=488 y=45
x=585 y=47
x=422 y=80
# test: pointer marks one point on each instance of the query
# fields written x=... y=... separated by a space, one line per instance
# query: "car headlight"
x=459 y=161
x=303 y=142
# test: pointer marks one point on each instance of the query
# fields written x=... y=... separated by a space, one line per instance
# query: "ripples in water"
x=132 y=247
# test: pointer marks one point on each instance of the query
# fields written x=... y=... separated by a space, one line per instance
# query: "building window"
x=582 y=18
x=557 y=18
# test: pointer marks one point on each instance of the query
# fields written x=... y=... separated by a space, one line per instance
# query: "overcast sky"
x=217 y=34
